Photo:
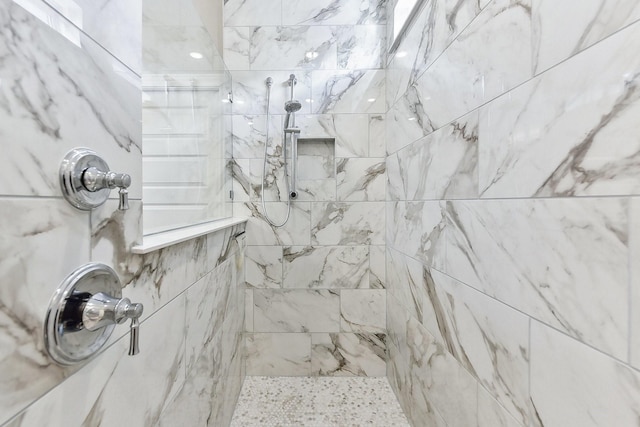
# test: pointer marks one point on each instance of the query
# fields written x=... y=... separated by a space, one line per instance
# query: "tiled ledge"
x=157 y=241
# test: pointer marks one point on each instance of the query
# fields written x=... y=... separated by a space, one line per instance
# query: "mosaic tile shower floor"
x=317 y=402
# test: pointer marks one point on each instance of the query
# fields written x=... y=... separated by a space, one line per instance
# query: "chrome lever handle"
x=123 y=199
x=94 y=179
x=134 y=337
x=102 y=309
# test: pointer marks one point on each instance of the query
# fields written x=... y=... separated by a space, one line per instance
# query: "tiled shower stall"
x=466 y=226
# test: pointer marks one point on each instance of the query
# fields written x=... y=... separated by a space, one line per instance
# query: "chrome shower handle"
x=102 y=309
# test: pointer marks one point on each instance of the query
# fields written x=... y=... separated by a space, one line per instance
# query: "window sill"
x=162 y=240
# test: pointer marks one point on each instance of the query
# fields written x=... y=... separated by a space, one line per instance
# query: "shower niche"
x=316 y=158
x=316 y=167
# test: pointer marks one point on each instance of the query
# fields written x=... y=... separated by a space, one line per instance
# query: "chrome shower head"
x=292 y=106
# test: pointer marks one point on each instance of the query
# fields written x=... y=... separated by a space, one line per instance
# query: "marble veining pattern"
x=55 y=94
x=511 y=234
x=321 y=402
x=581 y=142
x=326 y=267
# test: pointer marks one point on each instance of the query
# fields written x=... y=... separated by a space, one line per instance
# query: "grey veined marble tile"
x=347 y=223
x=347 y=354
x=326 y=267
x=570 y=131
x=287 y=48
x=279 y=354
x=556 y=38
x=49 y=233
x=442 y=165
x=61 y=90
x=363 y=310
x=296 y=310
x=332 y=12
x=548 y=258
x=264 y=266
x=361 y=179
x=594 y=389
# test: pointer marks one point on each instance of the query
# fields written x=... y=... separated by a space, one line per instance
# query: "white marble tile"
x=437 y=25
x=570 y=131
x=214 y=352
x=227 y=243
x=361 y=179
x=248 y=310
x=143 y=397
x=310 y=190
x=348 y=355
x=326 y=267
x=250 y=91
x=436 y=375
x=207 y=302
x=293 y=48
x=249 y=135
x=442 y=165
x=252 y=12
x=115 y=24
x=361 y=46
x=49 y=233
x=349 y=130
x=296 y=310
x=259 y=232
x=331 y=12
x=377 y=267
x=377 y=135
x=634 y=271
x=417 y=229
x=408 y=281
x=349 y=91
x=279 y=354
x=363 y=310
x=539 y=257
x=575 y=385
x=84 y=389
x=407 y=120
x=414 y=403
x=491 y=414
x=343 y=223
x=114 y=233
x=472 y=71
x=236 y=47
x=59 y=93
x=264 y=266
x=562 y=30
x=490 y=339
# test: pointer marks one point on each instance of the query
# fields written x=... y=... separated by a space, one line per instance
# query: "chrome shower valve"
x=86 y=180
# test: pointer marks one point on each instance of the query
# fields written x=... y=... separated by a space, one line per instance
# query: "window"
x=402 y=14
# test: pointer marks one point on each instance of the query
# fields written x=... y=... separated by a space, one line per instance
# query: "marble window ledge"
x=164 y=239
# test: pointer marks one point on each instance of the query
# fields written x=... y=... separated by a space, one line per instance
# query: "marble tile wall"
x=316 y=292
x=511 y=221
x=68 y=81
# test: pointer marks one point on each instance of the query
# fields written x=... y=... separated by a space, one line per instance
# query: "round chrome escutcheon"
x=66 y=340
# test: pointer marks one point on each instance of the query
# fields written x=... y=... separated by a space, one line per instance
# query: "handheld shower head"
x=292 y=106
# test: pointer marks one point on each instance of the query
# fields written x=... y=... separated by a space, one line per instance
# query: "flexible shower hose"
x=264 y=168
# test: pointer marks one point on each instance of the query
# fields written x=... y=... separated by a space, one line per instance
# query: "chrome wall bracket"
x=83 y=313
x=86 y=180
